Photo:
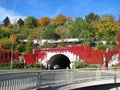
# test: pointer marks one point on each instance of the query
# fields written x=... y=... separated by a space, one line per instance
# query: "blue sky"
x=15 y=9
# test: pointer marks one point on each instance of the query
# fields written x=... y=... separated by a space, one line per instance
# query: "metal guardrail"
x=18 y=81
x=40 y=79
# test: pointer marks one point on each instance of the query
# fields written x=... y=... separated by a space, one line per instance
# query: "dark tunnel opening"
x=59 y=59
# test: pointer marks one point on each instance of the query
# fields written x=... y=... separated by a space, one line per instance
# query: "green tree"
x=69 y=20
x=20 y=22
x=92 y=17
x=21 y=36
x=63 y=32
x=50 y=33
x=75 y=29
x=29 y=46
x=6 y=21
x=87 y=36
x=21 y=47
x=4 y=34
x=9 y=46
x=30 y=22
x=78 y=26
x=78 y=19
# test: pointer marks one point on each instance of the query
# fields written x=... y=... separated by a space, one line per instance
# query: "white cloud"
x=13 y=16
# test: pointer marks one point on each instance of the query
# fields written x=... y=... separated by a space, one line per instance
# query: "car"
x=56 y=67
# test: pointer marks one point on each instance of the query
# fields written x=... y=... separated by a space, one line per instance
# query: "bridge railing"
x=41 y=79
x=18 y=81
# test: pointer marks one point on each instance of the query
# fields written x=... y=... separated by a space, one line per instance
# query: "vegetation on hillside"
x=93 y=27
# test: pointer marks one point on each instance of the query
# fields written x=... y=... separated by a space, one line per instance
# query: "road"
x=51 y=78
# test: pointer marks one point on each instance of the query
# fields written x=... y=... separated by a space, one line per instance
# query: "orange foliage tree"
x=44 y=21
x=59 y=20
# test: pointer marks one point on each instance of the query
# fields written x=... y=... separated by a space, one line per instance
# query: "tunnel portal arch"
x=59 y=59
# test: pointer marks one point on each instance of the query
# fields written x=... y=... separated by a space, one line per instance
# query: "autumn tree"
x=8 y=43
x=59 y=20
x=106 y=27
x=3 y=42
x=30 y=22
x=13 y=39
x=6 y=21
x=44 y=21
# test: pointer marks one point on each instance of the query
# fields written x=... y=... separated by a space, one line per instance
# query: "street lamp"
x=11 y=62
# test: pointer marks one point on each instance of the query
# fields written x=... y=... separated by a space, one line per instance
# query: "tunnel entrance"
x=59 y=59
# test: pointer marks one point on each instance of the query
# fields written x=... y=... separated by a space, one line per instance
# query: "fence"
x=18 y=81
x=39 y=79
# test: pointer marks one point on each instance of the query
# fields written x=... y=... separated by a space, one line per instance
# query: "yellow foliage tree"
x=13 y=39
x=106 y=26
x=59 y=20
x=3 y=42
x=44 y=21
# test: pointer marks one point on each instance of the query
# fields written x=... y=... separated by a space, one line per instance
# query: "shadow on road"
x=101 y=87
x=97 y=87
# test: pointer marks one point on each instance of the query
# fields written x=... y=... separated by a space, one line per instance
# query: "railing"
x=18 y=81
x=39 y=79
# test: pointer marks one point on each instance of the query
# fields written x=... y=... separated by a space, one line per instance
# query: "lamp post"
x=11 y=62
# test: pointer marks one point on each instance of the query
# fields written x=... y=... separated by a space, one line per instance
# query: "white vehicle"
x=56 y=66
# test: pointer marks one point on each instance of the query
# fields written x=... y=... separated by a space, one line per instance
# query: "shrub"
x=101 y=46
x=30 y=66
x=39 y=65
x=92 y=66
x=18 y=64
x=5 y=66
x=79 y=64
